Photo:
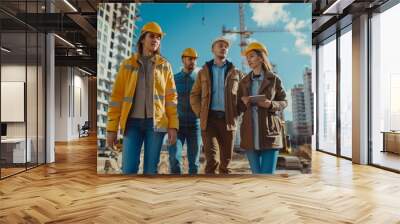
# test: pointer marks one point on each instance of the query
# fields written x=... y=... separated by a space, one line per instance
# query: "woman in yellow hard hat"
x=143 y=103
x=261 y=97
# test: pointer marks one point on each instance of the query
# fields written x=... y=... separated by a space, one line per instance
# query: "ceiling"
x=330 y=15
x=76 y=25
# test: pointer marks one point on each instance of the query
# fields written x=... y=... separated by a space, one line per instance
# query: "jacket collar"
x=210 y=63
x=157 y=59
x=268 y=77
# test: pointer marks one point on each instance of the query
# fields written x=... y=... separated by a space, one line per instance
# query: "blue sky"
x=185 y=27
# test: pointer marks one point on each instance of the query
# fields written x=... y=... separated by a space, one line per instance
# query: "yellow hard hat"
x=152 y=27
x=223 y=39
x=255 y=46
x=189 y=52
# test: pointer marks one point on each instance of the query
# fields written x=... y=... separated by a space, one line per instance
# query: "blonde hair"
x=266 y=64
x=139 y=44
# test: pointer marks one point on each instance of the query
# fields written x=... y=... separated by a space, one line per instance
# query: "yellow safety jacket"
x=164 y=94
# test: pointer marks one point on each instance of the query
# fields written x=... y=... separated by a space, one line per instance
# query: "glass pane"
x=31 y=97
x=385 y=90
x=327 y=96
x=13 y=86
x=346 y=94
x=41 y=99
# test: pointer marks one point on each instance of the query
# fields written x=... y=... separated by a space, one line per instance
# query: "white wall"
x=71 y=94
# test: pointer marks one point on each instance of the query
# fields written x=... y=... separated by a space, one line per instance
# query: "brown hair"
x=266 y=64
x=139 y=44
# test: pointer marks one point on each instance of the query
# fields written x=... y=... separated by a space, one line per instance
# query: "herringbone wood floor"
x=70 y=191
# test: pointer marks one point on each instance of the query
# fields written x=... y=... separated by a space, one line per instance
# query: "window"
x=112 y=35
x=109 y=65
x=385 y=88
x=346 y=93
x=99 y=34
x=327 y=95
x=99 y=24
x=111 y=45
x=108 y=7
x=101 y=70
x=105 y=37
x=111 y=54
x=106 y=18
x=101 y=13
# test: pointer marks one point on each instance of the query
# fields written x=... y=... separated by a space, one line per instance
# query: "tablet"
x=257 y=98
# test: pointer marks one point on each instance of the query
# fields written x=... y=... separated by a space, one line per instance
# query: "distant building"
x=303 y=109
x=115 y=35
x=299 y=110
x=308 y=99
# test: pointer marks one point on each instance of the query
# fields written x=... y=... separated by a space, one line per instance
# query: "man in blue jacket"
x=189 y=124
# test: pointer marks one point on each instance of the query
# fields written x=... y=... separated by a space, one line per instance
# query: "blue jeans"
x=193 y=141
x=263 y=161
x=139 y=131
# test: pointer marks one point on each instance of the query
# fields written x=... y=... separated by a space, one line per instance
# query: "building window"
x=109 y=65
x=106 y=18
x=104 y=49
x=111 y=45
x=111 y=54
x=112 y=35
x=108 y=7
x=327 y=95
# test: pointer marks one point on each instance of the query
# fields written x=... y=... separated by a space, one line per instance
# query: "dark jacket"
x=270 y=123
x=184 y=83
x=201 y=96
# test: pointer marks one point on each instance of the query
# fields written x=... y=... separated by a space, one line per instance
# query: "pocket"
x=274 y=125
